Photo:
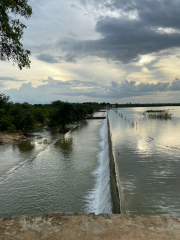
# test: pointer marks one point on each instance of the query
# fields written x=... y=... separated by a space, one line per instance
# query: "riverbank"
x=41 y=136
x=12 y=137
x=19 y=136
x=89 y=226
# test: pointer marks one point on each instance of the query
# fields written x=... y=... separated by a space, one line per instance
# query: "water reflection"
x=16 y=153
x=65 y=144
x=148 y=161
x=26 y=146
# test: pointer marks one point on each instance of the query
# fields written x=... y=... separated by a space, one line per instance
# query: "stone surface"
x=12 y=137
x=57 y=226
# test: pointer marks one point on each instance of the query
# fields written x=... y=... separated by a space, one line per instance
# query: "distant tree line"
x=25 y=117
x=117 y=105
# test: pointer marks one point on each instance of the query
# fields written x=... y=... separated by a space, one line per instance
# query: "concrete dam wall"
x=89 y=226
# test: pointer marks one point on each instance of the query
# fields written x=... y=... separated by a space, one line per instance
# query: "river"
x=69 y=175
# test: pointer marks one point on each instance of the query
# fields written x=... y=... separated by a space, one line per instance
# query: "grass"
x=158 y=114
x=154 y=111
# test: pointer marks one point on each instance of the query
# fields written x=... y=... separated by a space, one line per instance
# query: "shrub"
x=39 y=114
x=158 y=115
x=24 y=121
x=4 y=124
x=11 y=128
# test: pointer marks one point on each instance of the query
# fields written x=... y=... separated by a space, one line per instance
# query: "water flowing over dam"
x=100 y=197
x=71 y=175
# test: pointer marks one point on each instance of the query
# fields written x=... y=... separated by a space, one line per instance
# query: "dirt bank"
x=89 y=226
x=12 y=137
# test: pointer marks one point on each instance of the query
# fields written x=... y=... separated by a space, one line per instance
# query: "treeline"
x=25 y=117
x=117 y=105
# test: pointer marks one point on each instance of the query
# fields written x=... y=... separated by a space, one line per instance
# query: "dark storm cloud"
x=131 y=88
x=124 y=38
x=158 y=13
x=71 y=58
x=47 y=58
x=175 y=85
x=71 y=83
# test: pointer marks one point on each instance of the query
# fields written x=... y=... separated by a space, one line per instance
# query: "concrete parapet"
x=89 y=226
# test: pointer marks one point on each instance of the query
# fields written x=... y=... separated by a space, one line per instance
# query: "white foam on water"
x=99 y=199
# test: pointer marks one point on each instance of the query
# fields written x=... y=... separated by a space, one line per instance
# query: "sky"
x=116 y=51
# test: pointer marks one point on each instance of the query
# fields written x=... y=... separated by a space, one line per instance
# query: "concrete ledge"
x=87 y=118
x=89 y=226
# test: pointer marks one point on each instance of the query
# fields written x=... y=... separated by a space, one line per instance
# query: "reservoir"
x=148 y=159
x=71 y=175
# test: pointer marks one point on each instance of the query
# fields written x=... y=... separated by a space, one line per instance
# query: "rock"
x=39 y=136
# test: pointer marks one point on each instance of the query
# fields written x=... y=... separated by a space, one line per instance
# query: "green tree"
x=38 y=114
x=5 y=122
x=24 y=121
x=11 y=31
x=79 y=112
x=61 y=114
x=3 y=99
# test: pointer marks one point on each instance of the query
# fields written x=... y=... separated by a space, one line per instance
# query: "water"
x=101 y=193
x=148 y=159
x=71 y=175
x=14 y=155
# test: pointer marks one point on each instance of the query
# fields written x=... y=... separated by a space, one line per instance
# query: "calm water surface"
x=148 y=159
x=68 y=176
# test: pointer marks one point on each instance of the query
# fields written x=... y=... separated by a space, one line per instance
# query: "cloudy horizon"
x=98 y=51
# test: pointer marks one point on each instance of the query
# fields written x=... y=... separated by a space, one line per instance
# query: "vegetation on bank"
x=26 y=117
x=116 y=105
x=155 y=111
x=158 y=114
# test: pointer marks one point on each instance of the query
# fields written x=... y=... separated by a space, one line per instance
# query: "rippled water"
x=70 y=175
x=148 y=159
x=13 y=155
